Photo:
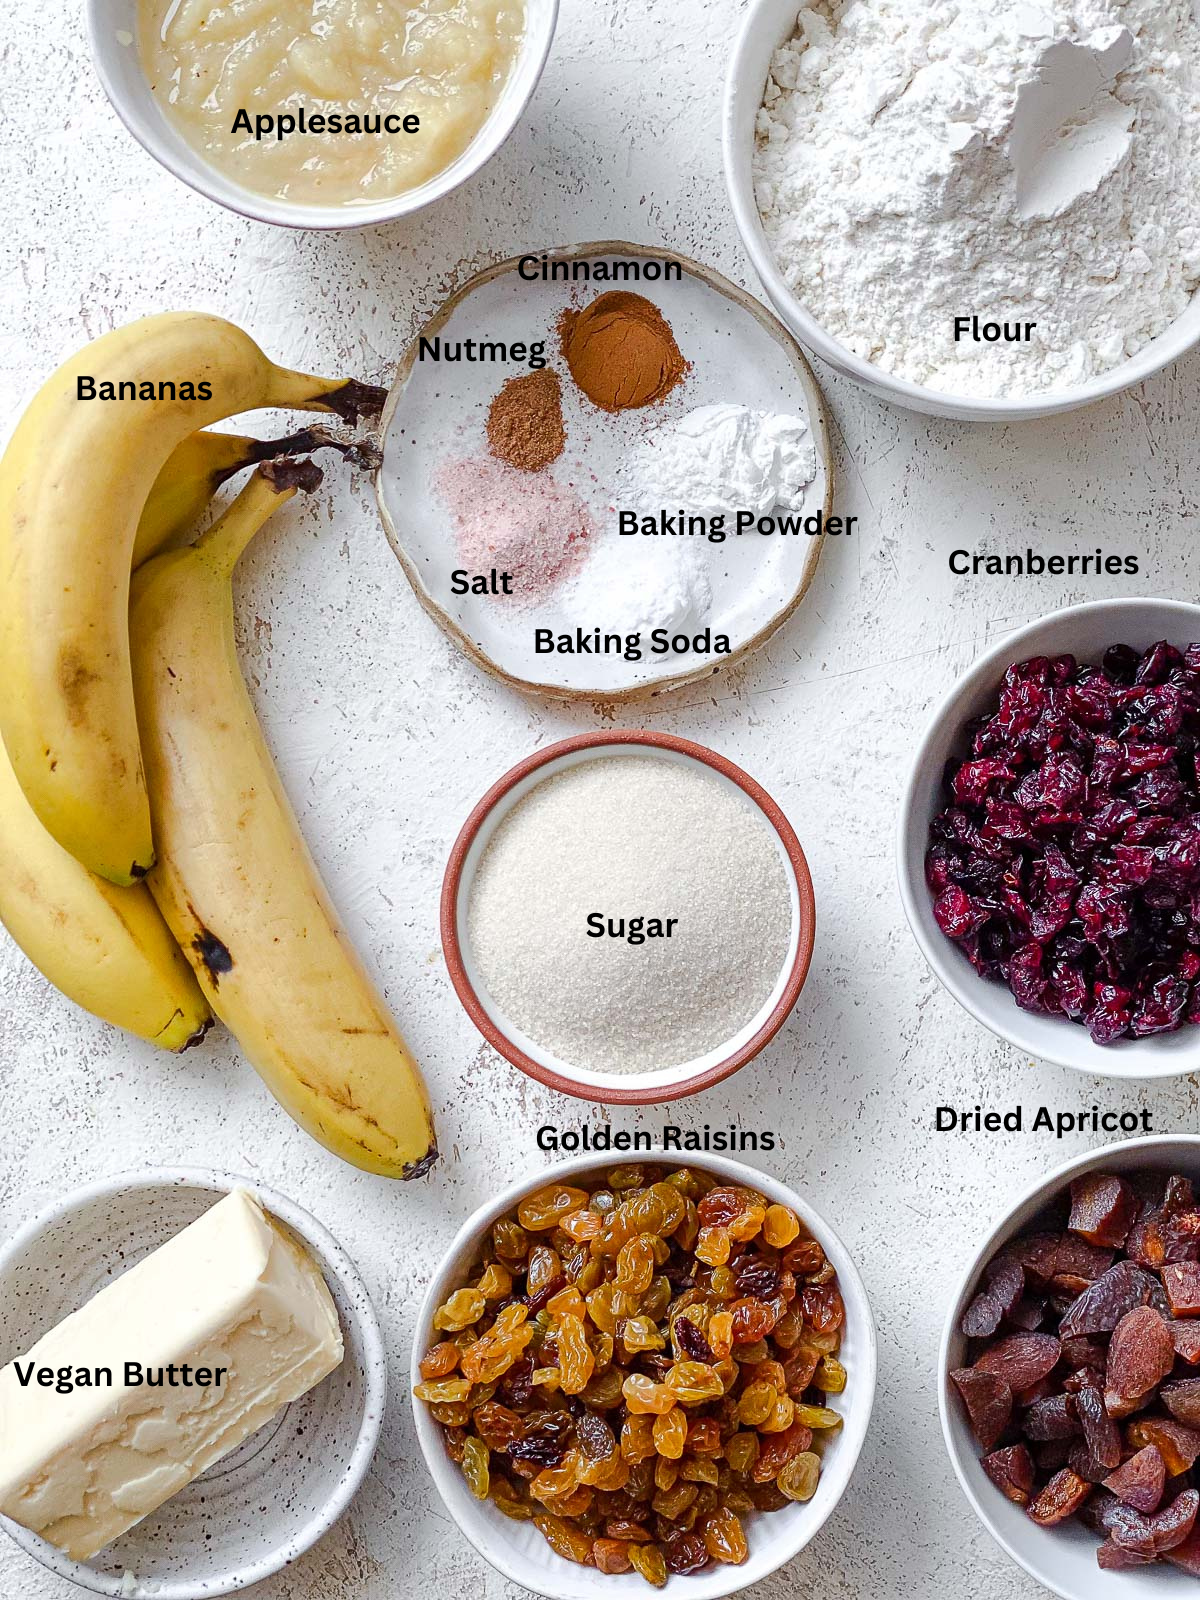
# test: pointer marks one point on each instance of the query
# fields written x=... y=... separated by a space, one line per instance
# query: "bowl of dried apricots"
x=643 y=1374
x=1070 y=1391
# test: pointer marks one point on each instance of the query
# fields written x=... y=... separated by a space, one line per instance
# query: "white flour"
x=1020 y=160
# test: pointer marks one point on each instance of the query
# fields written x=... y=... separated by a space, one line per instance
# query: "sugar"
x=624 y=837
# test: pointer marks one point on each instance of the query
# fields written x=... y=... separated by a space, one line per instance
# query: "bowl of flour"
x=627 y=917
x=980 y=209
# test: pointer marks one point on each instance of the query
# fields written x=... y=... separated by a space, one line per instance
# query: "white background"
x=386 y=736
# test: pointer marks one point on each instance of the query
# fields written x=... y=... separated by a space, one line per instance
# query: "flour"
x=714 y=461
x=1020 y=160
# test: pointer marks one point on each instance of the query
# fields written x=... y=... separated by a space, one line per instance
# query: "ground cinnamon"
x=621 y=351
x=525 y=422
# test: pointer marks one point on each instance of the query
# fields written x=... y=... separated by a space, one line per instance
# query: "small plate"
x=270 y=1500
x=740 y=353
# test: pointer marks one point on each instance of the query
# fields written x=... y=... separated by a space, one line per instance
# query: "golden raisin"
x=475 y=1467
x=440 y=1360
x=464 y=1307
x=643 y=1395
x=723 y=1537
x=798 y=1479
x=546 y=1208
x=563 y=1539
x=780 y=1226
x=648 y=1562
x=670 y=1434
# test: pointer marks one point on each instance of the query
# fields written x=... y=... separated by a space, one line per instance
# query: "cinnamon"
x=621 y=351
x=525 y=422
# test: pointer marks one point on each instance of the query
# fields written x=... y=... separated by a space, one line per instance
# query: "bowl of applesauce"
x=321 y=113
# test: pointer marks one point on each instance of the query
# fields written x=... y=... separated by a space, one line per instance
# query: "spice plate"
x=737 y=353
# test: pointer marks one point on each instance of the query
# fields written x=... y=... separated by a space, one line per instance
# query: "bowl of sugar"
x=627 y=917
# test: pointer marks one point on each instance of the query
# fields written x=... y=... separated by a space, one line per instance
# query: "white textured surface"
x=386 y=737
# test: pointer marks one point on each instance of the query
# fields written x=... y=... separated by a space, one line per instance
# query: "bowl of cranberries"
x=1070 y=1388
x=641 y=1374
x=1049 y=844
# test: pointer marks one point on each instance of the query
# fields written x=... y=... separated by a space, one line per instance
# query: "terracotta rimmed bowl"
x=1063 y=1559
x=517 y=1550
x=633 y=1088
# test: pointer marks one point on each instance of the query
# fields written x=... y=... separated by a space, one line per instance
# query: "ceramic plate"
x=437 y=413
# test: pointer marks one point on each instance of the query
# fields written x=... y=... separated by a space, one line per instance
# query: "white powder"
x=1023 y=160
x=720 y=459
x=631 y=836
x=714 y=461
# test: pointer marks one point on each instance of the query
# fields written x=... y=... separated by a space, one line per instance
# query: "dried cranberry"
x=1066 y=861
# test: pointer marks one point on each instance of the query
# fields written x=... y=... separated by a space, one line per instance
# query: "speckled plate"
x=739 y=353
x=270 y=1500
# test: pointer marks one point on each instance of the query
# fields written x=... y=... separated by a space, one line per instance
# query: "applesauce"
x=329 y=102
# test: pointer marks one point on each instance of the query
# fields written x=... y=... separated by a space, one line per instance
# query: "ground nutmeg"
x=525 y=422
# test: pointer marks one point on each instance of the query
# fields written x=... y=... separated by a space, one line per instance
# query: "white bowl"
x=113 y=29
x=284 y=1488
x=768 y=23
x=1085 y=631
x=1062 y=1558
x=516 y=1549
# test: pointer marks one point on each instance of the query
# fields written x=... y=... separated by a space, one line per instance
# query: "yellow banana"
x=106 y=948
x=73 y=485
x=197 y=468
x=233 y=878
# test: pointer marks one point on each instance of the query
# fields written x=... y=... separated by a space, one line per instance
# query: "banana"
x=106 y=948
x=73 y=484
x=233 y=877
x=197 y=468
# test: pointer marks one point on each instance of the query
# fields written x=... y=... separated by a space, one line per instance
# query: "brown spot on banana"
x=75 y=679
x=215 y=955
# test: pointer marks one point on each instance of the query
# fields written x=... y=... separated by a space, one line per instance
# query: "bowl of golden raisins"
x=643 y=1375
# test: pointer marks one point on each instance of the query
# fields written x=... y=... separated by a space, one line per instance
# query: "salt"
x=609 y=840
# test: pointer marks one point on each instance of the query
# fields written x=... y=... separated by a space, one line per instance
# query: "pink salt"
x=522 y=523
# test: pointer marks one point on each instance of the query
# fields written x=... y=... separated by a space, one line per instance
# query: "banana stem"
x=270 y=486
x=346 y=398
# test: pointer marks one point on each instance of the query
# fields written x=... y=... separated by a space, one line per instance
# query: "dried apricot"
x=1011 y=1470
x=1103 y=1208
x=1140 y=1355
x=1061 y=1498
x=1141 y=1481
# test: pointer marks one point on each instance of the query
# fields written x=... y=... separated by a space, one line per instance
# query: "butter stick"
x=160 y=1375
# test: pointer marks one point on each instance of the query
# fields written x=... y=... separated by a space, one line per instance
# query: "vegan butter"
x=329 y=102
x=229 y=1321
